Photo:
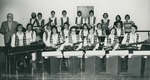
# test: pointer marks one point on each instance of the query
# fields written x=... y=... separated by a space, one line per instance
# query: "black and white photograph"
x=74 y=39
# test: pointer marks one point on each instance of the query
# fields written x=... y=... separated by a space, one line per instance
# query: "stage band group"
x=85 y=35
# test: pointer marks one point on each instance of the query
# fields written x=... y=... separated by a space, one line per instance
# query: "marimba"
x=93 y=61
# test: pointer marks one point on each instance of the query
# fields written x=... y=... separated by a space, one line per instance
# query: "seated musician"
x=99 y=30
x=54 y=40
x=65 y=31
x=79 y=20
x=131 y=37
x=111 y=41
x=19 y=39
x=73 y=41
x=100 y=33
x=91 y=41
x=85 y=31
x=120 y=31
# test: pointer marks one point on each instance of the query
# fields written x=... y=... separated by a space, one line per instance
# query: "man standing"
x=8 y=28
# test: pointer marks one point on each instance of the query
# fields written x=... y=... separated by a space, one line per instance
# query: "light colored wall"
x=139 y=10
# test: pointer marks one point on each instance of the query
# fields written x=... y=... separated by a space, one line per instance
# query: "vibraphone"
x=137 y=61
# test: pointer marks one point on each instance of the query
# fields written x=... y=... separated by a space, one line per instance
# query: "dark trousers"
x=8 y=44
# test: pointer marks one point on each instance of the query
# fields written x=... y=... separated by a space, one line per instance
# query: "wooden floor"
x=38 y=73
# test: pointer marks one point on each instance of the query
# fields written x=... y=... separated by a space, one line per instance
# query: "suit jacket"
x=6 y=31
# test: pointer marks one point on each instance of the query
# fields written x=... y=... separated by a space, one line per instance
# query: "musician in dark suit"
x=8 y=28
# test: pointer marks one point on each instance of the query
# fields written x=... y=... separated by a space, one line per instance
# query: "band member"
x=30 y=34
x=118 y=25
x=120 y=32
x=53 y=19
x=111 y=41
x=105 y=21
x=41 y=21
x=85 y=31
x=91 y=20
x=99 y=30
x=54 y=39
x=132 y=37
x=79 y=19
x=33 y=20
x=91 y=41
x=64 y=18
x=8 y=28
x=47 y=34
x=30 y=38
x=73 y=42
x=119 y=29
x=65 y=31
x=40 y=26
x=100 y=33
x=118 y=20
x=19 y=39
x=127 y=24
